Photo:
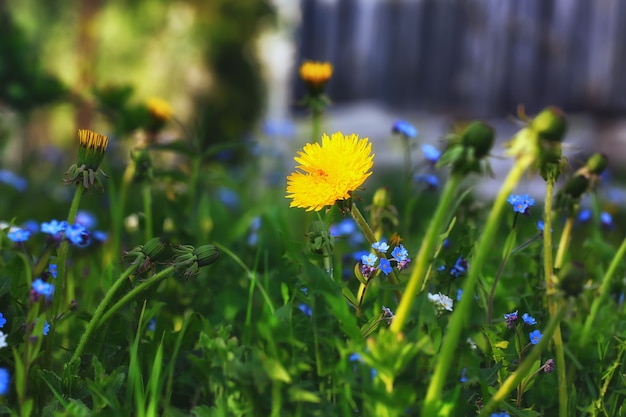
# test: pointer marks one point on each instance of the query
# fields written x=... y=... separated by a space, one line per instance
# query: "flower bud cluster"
x=584 y=180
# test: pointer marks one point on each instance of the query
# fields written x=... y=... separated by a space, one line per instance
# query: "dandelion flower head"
x=316 y=73
x=159 y=108
x=329 y=172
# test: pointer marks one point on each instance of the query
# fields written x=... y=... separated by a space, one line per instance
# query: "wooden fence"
x=482 y=57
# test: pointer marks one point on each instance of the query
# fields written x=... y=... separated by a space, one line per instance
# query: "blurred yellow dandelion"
x=329 y=172
x=159 y=108
x=315 y=73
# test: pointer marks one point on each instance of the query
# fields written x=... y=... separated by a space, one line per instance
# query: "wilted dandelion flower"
x=329 y=172
x=91 y=149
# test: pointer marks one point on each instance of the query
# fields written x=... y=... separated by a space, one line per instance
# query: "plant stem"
x=603 y=293
x=525 y=367
x=424 y=255
x=133 y=293
x=483 y=248
x=146 y=193
x=563 y=243
x=63 y=277
x=93 y=323
x=316 y=124
x=549 y=277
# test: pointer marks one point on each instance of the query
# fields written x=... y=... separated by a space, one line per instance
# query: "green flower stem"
x=316 y=124
x=457 y=321
x=133 y=293
x=425 y=253
x=146 y=193
x=603 y=293
x=93 y=323
x=525 y=367
x=371 y=238
x=563 y=243
x=549 y=276
x=62 y=277
x=492 y=293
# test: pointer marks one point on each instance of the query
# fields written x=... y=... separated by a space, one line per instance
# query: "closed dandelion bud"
x=597 y=163
x=382 y=198
x=576 y=186
x=206 y=255
x=320 y=241
x=480 y=137
x=550 y=124
x=154 y=247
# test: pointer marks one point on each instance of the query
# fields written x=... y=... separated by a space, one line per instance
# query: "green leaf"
x=275 y=370
x=299 y=394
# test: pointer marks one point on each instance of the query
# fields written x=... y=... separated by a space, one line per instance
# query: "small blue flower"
x=540 y=225
x=3 y=321
x=100 y=236
x=460 y=266
x=463 y=375
x=15 y=181
x=359 y=254
x=305 y=309
x=431 y=181
x=31 y=225
x=152 y=324
x=459 y=294
x=53 y=227
x=43 y=288
x=385 y=266
x=431 y=154
x=584 y=215
x=400 y=254
x=19 y=235
x=369 y=259
x=355 y=357
x=228 y=197
x=86 y=219
x=78 y=235
x=535 y=337
x=511 y=318
x=521 y=203
x=606 y=220
x=404 y=128
x=528 y=319
x=52 y=270
x=502 y=414
x=381 y=246
x=5 y=380
x=46 y=328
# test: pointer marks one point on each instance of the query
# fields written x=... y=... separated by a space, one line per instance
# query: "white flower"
x=3 y=340
x=441 y=301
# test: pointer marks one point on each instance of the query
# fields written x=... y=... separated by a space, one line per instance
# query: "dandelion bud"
x=576 y=186
x=154 y=247
x=480 y=137
x=597 y=163
x=206 y=255
x=382 y=198
x=92 y=147
x=550 y=124
x=315 y=75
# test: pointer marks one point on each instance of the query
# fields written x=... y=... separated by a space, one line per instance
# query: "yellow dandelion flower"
x=329 y=172
x=159 y=108
x=315 y=73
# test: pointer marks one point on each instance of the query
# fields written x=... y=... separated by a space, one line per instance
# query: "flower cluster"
x=521 y=203
x=441 y=302
x=369 y=262
x=511 y=320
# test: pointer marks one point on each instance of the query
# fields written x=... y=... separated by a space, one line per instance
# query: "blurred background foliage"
x=197 y=55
